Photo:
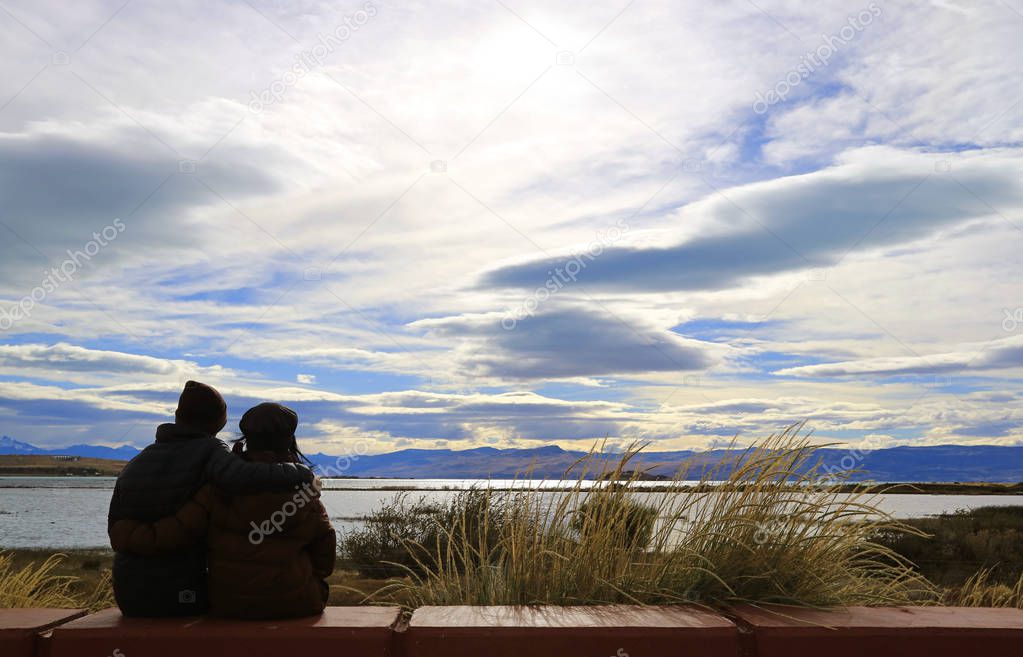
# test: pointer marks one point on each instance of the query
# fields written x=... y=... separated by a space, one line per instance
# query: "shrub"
x=409 y=535
x=953 y=547
x=771 y=533
x=616 y=516
x=382 y=547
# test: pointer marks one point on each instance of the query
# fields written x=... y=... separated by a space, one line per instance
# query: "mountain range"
x=932 y=463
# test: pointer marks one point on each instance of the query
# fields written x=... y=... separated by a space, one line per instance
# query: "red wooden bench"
x=612 y=631
x=20 y=628
x=884 y=631
x=354 y=631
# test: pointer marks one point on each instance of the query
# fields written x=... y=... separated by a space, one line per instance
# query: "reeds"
x=980 y=591
x=37 y=585
x=770 y=529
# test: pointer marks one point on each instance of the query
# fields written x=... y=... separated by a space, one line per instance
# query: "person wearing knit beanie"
x=185 y=457
x=268 y=553
x=202 y=407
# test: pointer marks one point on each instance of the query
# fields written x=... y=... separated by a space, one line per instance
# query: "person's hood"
x=174 y=433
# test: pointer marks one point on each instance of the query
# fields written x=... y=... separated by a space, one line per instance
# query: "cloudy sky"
x=512 y=223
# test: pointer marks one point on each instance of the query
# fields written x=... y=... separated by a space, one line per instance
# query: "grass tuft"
x=980 y=591
x=37 y=584
x=775 y=530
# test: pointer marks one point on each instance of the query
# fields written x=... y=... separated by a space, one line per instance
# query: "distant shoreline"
x=58 y=466
x=902 y=488
x=944 y=464
x=85 y=467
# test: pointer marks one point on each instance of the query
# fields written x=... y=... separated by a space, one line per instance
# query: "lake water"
x=71 y=512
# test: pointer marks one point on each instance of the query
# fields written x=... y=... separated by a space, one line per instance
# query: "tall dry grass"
x=38 y=585
x=776 y=530
x=980 y=591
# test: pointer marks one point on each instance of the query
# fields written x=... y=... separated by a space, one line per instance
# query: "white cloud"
x=315 y=245
x=568 y=341
x=875 y=197
x=999 y=354
x=57 y=361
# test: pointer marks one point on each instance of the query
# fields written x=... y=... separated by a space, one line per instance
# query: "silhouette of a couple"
x=198 y=527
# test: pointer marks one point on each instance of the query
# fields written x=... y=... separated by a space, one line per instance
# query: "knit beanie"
x=269 y=426
x=201 y=406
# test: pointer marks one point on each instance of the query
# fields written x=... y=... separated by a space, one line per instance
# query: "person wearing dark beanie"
x=202 y=407
x=269 y=554
x=270 y=427
x=164 y=476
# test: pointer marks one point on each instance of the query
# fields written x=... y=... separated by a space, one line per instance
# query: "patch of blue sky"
x=37 y=338
x=959 y=147
x=855 y=436
x=726 y=432
x=28 y=378
x=756 y=132
x=343 y=381
x=983 y=429
x=579 y=392
x=766 y=364
x=357 y=382
x=946 y=384
x=266 y=292
x=336 y=379
x=77 y=413
x=714 y=329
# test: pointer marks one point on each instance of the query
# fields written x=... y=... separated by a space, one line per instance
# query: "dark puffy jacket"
x=157 y=483
x=269 y=554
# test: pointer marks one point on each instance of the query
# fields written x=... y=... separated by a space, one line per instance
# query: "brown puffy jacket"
x=268 y=554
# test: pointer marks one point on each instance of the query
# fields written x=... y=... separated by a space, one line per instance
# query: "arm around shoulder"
x=236 y=475
x=167 y=535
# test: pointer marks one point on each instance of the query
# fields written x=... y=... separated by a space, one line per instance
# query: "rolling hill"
x=932 y=463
